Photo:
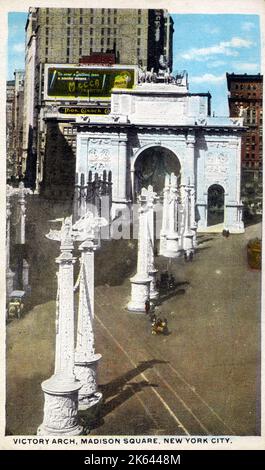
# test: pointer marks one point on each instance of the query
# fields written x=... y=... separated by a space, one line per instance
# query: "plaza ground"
x=203 y=378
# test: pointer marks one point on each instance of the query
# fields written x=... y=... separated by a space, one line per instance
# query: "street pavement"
x=203 y=378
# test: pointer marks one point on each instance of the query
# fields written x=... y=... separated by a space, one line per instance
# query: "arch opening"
x=215 y=204
x=151 y=167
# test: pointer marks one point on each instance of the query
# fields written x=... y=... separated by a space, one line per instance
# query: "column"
x=86 y=361
x=164 y=227
x=188 y=234
x=61 y=390
x=172 y=238
x=140 y=283
x=9 y=274
x=151 y=196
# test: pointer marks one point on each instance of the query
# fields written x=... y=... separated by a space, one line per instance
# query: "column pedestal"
x=172 y=246
x=86 y=373
x=60 y=408
x=140 y=290
x=154 y=294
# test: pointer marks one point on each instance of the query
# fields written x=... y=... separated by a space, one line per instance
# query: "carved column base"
x=140 y=292
x=188 y=243
x=9 y=282
x=172 y=249
x=86 y=372
x=154 y=294
x=60 y=407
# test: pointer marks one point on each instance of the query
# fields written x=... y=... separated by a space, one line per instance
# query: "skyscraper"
x=245 y=100
x=65 y=35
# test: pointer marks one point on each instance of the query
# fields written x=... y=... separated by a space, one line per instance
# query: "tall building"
x=18 y=120
x=65 y=35
x=245 y=100
x=10 y=93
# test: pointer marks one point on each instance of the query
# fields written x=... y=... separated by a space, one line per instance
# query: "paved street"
x=203 y=378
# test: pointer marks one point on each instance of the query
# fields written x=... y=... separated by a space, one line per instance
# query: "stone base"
x=172 y=248
x=154 y=294
x=60 y=407
x=86 y=372
x=219 y=228
x=140 y=286
x=46 y=431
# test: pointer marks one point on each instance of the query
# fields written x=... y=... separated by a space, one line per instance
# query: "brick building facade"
x=245 y=100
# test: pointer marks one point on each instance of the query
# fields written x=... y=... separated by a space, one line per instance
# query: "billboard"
x=87 y=83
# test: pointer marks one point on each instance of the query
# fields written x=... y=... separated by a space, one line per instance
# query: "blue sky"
x=207 y=46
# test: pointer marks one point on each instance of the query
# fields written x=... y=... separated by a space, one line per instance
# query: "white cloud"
x=226 y=48
x=247 y=26
x=207 y=78
x=19 y=47
x=245 y=67
x=216 y=63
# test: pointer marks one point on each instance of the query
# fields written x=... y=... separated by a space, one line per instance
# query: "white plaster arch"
x=150 y=145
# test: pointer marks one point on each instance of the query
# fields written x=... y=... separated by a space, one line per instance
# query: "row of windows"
x=81 y=10
x=103 y=20
x=246 y=87
x=253 y=164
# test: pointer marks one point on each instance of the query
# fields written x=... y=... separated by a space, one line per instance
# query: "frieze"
x=216 y=167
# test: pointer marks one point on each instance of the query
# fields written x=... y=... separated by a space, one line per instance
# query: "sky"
x=206 y=46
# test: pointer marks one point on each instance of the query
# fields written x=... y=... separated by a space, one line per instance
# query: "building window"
x=68 y=11
x=138 y=41
x=91 y=41
x=115 y=31
x=47 y=31
x=80 y=31
x=68 y=31
x=108 y=20
x=81 y=19
x=139 y=31
x=139 y=20
x=67 y=51
x=102 y=31
x=80 y=50
x=102 y=11
x=109 y=11
x=68 y=41
x=115 y=20
x=102 y=20
x=91 y=19
x=47 y=20
x=46 y=51
x=102 y=49
x=68 y=20
x=115 y=11
x=80 y=41
x=108 y=30
x=138 y=51
x=91 y=30
x=91 y=10
x=47 y=41
x=91 y=50
x=108 y=41
x=102 y=41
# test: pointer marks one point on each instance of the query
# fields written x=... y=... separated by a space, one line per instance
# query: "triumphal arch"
x=159 y=127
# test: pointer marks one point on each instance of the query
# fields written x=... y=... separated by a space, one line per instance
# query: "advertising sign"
x=89 y=83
